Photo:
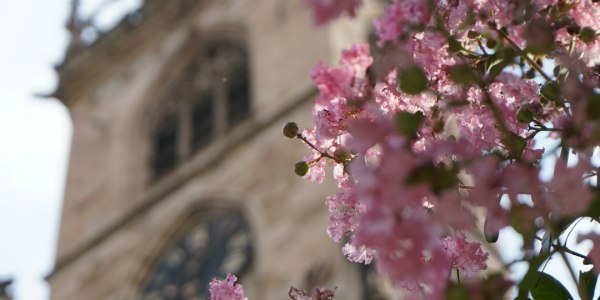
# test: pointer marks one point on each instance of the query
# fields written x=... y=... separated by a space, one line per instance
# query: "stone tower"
x=179 y=172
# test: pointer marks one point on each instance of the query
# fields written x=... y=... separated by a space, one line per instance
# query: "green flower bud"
x=525 y=115
x=412 y=80
x=341 y=154
x=301 y=168
x=290 y=130
x=491 y=236
x=587 y=35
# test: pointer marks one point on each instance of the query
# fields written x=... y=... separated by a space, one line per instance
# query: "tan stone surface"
x=104 y=255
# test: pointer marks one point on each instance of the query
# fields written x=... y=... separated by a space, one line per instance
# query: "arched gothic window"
x=210 y=96
x=165 y=144
x=213 y=247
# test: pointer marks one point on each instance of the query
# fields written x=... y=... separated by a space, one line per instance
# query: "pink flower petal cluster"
x=467 y=257
x=594 y=254
x=416 y=166
x=226 y=289
x=400 y=15
x=587 y=14
x=327 y=10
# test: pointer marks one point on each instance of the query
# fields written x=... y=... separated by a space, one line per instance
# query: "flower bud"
x=491 y=43
x=290 y=130
x=525 y=115
x=491 y=236
x=301 y=168
x=341 y=154
x=573 y=29
x=587 y=35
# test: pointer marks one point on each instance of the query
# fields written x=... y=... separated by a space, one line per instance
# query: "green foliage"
x=454 y=46
x=407 y=123
x=549 y=288
x=515 y=144
x=587 y=284
x=463 y=74
x=457 y=291
x=439 y=177
x=412 y=80
x=525 y=115
x=551 y=91
x=593 y=106
x=498 y=61
x=587 y=35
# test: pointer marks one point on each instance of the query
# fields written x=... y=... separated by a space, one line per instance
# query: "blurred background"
x=35 y=135
x=142 y=152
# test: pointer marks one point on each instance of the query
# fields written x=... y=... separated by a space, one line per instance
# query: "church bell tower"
x=179 y=172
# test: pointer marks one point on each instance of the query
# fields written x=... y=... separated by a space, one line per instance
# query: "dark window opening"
x=165 y=145
x=202 y=120
x=210 y=95
x=238 y=96
x=213 y=248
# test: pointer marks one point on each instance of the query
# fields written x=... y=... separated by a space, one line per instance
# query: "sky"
x=35 y=135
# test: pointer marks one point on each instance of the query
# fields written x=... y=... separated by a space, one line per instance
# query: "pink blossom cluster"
x=326 y=10
x=434 y=135
x=415 y=167
x=226 y=289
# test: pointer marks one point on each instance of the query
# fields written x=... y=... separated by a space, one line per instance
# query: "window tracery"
x=210 y=96
x=213 y=247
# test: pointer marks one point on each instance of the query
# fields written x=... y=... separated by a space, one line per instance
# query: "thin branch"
x=560 y=248
x=530 y=61
x=323 y=154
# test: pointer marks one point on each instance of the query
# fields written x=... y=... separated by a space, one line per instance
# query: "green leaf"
x=454 y=46
x=407 y=123
x=500 y=60
x=593 y=106
x=457 y=291
x=412 y=80
x=515 y=144
x=439 y=177
x=463 y=74
x=587 y=35
x=587 y=283
x=594 y=208
x=525 y=115
x=549 y=288
x=551 y=91
x=530 y=278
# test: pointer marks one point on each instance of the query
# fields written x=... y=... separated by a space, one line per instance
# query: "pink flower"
x=226 y=289
x=587 y=14
x=595 y=252
x=327 y=10
x=399 y=16
x=467 y=257
x=360 y=254
x=568 y=195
